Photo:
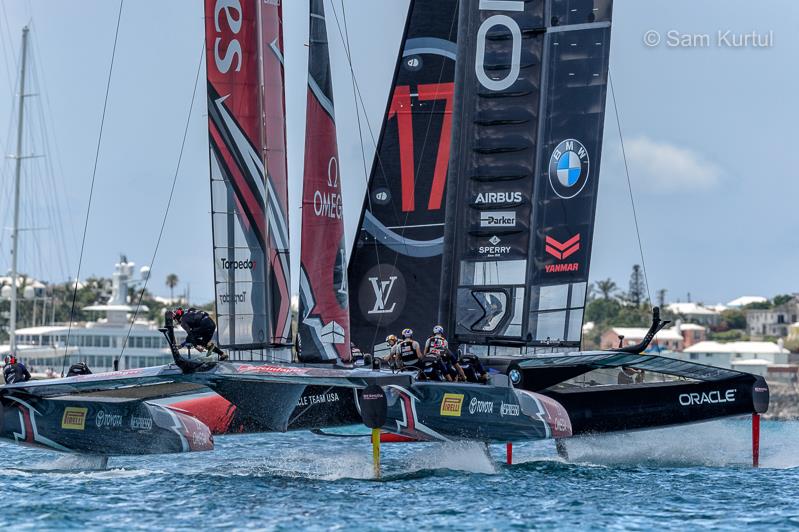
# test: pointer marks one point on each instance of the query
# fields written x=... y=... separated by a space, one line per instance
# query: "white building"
x=728 y=355
x=746 y=300
x=98 y=343
x=695 y=313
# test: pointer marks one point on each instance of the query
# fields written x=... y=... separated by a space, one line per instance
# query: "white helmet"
x=438 y=329
x=407 y=333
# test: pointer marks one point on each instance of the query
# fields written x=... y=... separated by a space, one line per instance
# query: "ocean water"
x=682 y=478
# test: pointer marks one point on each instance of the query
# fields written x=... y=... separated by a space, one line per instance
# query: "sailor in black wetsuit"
x=433 y=369
x=437 y=345
x=199 y=329
x=409 y=351
x=14 y=370
x=473 y=369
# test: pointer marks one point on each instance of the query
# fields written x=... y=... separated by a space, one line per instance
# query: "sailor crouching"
x=14 y=370
x=200 y=329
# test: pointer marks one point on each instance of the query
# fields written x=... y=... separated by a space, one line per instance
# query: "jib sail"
x=248 y=173
x=530 y=100
x=395 y=265
x=323 y=313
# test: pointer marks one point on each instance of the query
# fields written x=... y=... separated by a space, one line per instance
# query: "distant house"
x=692 y=333
x=668 y=339
x=731 y=354
x=774 y=321
x=695 y=313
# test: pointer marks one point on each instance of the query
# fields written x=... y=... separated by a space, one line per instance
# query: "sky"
x=708 y=130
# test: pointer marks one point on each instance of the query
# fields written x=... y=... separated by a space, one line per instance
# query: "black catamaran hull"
x=701 y=393
x=101 y=427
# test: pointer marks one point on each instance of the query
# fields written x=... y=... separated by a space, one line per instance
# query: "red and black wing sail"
x=530 y=104
x=248 y=173
x=395 y=265
x=324 y=313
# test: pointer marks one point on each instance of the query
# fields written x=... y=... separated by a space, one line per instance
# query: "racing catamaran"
x=517 y=121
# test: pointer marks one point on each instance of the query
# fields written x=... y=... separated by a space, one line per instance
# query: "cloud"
x=664 y=167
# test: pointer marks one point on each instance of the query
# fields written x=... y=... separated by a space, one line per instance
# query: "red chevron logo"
x=562 y=250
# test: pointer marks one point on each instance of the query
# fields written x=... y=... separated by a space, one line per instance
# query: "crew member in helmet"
x=14 y=370
x=408 y=348
x=473 y=369
x=200 y=328
x=438 y=346
x=393 y=358
x=431 y=368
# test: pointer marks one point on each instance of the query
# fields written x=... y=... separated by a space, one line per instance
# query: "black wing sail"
x=395 y=266
x=527 y=137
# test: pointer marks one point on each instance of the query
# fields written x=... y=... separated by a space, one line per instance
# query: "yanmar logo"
x=451 y=404
x=561 y=251
x=74 y=418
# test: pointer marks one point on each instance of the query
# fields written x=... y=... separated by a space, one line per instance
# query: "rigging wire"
x=91 y=188
x=168 y=203
x=629 y=187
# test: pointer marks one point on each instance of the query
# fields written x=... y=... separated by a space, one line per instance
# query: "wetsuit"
x=432 y=369
x=473 y=369
x=200 y=328
x=408 y=350
x=79 y=369
x=438 y=346
x=16 y=372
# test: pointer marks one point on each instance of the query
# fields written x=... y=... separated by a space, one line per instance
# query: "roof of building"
x=692 y=327
x=638 y=333
x=751 y=362
x=690 y=308
x=752 y=348
x=746 y=300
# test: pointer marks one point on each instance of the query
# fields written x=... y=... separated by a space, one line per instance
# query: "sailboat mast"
x=17 y=173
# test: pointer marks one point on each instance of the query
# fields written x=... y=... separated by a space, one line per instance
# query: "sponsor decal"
x=278 y=370
x=481 y=407
x=104 y=419
x=451 y=404
x=493 y=198
x=494 y=250
x=327 y=204
x=561 y=251
x=331 y=397
x=507 y=409
x=413 y=63
x=760 y=389
x=382 y=196
x=714 y=397
x=498 y=219
x=74 y=418
x=515 y=376
x=382 y=290
x=237 y=264
x=226 y=53
x=489 y=81
x=235 y=298
x=568 y=168
x=141 y=423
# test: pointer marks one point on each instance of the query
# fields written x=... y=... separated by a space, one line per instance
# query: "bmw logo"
x=515 y=376
x=568 y=168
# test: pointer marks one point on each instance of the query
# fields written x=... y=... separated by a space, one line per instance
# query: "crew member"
x=409 y=351
x=438 y=346
x=432 y=369
x=473 y=369
x=14 y=370
x=79 y=368
x=630 y=376
x=200 y=328
x=393 y=358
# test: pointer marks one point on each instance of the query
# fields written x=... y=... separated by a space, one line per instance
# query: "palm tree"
x=172 y=281
x=606 y=287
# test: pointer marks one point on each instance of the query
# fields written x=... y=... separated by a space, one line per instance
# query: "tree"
x=782 y=299
x=732 y=319
x=637 y=292
x=172 y=281
x=662 y=298
x=606 y=288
